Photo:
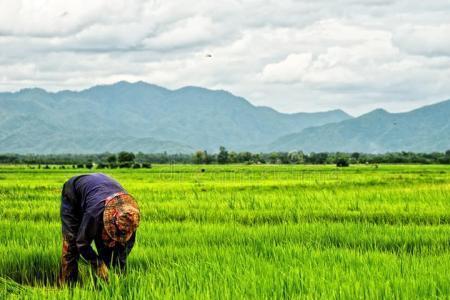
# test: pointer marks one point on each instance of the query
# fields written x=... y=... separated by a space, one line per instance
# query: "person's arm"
x=130 y=244
x=122 y=252
x=86 y=234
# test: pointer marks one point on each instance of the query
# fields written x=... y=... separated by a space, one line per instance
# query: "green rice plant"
x=240 y=232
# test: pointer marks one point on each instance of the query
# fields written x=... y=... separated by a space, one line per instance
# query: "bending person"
x=96 y=208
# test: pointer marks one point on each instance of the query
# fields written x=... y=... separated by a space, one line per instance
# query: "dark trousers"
x=71 y=218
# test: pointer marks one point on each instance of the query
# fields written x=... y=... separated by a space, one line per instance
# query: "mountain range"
x=149 y=118
x=426 y=129
x=141 y=117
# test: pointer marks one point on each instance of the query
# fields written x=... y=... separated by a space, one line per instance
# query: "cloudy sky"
x=292 y=55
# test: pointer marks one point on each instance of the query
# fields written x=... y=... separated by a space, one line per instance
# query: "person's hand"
x=102 y=271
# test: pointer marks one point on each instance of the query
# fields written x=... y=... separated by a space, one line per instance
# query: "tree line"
x=144 y=160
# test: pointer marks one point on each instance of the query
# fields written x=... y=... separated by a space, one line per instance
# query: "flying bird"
x=208 y=55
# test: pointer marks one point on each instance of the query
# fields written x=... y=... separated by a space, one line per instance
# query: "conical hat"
x=121 y=217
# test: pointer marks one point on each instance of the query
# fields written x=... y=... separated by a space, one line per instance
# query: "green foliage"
x=235 y=231
x=203 y=157
x=112 y=159
x=222 y=157
x=125 y=157
x=342 y=162
x=200 y=157
x=126 y=164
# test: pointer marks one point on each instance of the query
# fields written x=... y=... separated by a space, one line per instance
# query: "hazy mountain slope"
x=425 y=129
x=141 y=117
x=57 y=143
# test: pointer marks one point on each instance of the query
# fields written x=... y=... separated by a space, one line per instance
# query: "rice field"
x=244 y=232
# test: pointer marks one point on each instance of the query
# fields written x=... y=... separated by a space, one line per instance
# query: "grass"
x=238 y=231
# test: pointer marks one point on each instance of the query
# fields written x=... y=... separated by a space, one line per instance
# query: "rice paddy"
x=244 y=232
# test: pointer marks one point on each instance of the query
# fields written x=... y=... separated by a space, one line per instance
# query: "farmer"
x=96 y=208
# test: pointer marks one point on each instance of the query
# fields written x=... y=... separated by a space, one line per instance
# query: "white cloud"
x=292 y=69
x=349 y=57
x=187 y=32
x=426 y=40
x=293 y=55
x=49 y=18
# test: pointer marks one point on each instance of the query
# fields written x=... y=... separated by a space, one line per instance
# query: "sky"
x=292 y=55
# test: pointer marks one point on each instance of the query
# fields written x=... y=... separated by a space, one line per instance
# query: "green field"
x=236 y=232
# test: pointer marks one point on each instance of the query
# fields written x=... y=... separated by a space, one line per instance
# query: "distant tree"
x=126 y=157
x=302 y=156
x=273 y=158
x=102 y=166
x=125 y=164
x=318 y=158
x=208 y=158
x=232 y=157
x=9 y=158
x=146 y=165
x=89 y=165
x=293 y=157
x=199 y=157
x=244 y=157
x=283 y=158
x=259 y=158
x=81 y=160
x=354 y=157
x=222 y=157
x=445 y=159
x=256 y=158
x=342 y=162
x=112 y=159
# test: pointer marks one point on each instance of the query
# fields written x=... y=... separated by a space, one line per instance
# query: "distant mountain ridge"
x=425 y=129
x=142 y=117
